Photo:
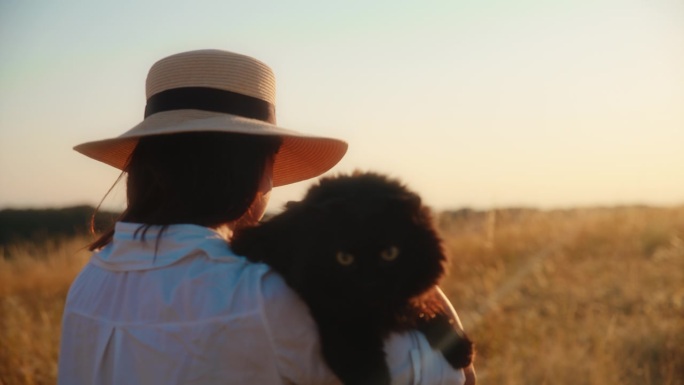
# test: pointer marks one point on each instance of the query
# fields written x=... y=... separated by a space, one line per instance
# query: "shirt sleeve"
x=293 y=334
x=296 y=346
x=413 y=361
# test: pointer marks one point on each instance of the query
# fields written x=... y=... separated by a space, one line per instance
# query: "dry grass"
x=33 y=285
x=582 y=297
x=588 y=297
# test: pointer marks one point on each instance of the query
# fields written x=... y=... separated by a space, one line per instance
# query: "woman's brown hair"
x=206 y=179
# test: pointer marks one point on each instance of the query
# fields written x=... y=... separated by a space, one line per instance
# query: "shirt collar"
x=129 y=251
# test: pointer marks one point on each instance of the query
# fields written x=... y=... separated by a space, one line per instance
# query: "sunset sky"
x=472 y=103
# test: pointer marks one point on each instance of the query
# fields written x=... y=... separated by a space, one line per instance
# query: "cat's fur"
x=362 y=252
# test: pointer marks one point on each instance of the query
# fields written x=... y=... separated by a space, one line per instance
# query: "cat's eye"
x=344 y=259
x=390 y=254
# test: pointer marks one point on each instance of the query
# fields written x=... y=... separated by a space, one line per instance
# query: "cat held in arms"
x=362 y=252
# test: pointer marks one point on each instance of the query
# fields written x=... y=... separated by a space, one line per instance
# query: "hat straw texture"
x=300 y=157
x=214 y=69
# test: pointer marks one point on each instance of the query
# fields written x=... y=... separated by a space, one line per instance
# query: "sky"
x=472 y=103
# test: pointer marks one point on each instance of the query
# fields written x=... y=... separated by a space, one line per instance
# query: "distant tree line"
x=18 y=225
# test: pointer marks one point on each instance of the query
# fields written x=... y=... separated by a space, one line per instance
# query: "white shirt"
x=196 y=313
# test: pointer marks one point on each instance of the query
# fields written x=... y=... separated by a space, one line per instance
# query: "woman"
x=164 y=299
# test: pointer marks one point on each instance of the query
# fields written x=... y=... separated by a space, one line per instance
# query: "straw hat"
x=212 y=90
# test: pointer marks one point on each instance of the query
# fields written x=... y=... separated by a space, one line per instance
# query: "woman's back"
x=195 y=313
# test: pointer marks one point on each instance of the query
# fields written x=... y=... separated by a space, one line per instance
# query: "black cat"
x=362 y=252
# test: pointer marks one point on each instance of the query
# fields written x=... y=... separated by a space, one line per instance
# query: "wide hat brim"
x=300 y=156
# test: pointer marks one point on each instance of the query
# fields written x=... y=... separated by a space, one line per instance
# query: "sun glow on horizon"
x=478 y=104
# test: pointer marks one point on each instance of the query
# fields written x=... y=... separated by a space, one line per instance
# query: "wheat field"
x=583 y=296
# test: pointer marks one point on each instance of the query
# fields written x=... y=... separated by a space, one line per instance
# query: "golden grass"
x=582 y=297
x=589 y=297
x=33 y=286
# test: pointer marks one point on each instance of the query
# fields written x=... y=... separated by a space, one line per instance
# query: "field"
x=583 y=296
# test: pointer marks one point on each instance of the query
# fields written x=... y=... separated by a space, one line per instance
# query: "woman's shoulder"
x=278 y=303
x=290 y=329
x=279 y=299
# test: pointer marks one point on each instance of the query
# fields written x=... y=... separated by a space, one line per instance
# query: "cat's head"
x=366 y=236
